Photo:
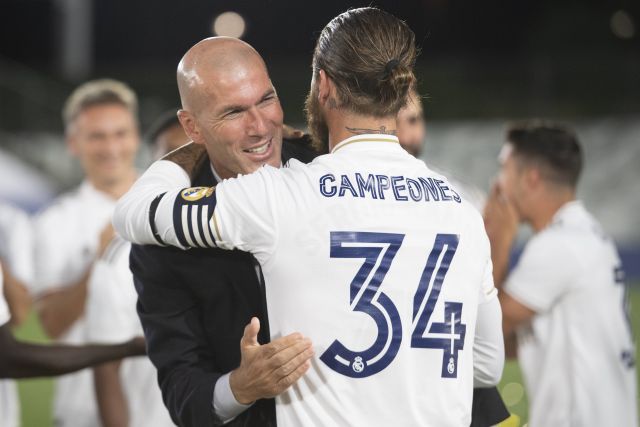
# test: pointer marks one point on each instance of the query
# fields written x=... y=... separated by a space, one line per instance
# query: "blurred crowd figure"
x=566 y=298
x=79 y=269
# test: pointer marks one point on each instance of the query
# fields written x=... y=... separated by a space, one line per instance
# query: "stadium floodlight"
x=622 y=25
x=230 y=24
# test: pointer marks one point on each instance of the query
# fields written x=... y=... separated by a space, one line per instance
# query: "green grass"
x=36 y=394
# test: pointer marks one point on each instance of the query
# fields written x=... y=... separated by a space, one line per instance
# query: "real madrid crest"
x=196 y=193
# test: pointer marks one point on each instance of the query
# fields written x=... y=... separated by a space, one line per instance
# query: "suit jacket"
x=194 y=306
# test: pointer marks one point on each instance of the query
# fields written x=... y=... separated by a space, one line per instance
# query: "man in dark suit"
x=194 y=305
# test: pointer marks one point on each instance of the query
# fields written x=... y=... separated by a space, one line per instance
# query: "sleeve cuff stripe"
x=204 y=226
x=218 y=237
x=195 y=226
x=185 y=226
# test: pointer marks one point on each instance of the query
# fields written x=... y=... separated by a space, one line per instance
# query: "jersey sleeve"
x=237 y=214
x=488 y=290
x=245 y=217
x=50 y=255
x=543 y=273
x=135 y=217
x=111 y=310
x=4 y=309
x=16 y=245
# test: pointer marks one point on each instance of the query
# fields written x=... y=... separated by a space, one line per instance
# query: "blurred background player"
x=566 y=297
x=101 y=130
x=127 y=391
x=166 y=134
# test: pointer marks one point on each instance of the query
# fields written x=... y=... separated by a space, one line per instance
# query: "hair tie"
x=391 y=65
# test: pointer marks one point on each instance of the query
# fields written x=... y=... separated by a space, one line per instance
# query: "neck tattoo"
x=380 y=131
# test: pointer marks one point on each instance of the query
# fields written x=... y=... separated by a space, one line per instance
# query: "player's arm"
x=23 y=360
x=134 y=217
x=488 y=347
x=110 y=396
x=61 y=307
x=17 y=296
x=514 y=313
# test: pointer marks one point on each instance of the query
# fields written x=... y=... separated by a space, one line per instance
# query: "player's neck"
x=345 y=125
x=548 y=208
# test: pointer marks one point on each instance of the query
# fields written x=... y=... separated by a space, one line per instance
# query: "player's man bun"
x=370 y=60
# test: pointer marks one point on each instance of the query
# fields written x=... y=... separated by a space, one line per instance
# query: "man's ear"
x=326 y=89
x=533 y=177
x=189 y=126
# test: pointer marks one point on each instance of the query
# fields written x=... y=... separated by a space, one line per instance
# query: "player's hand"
x=106 y=236
x=500 y=217
x=289 y=132
x=267 y=370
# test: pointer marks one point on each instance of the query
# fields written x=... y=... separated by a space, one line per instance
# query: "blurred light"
x=622 y=25
x=230 y=24
x=512 y=393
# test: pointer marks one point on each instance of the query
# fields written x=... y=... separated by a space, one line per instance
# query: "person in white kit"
x=126 y=390
x=101 y=130
x=566 y=298
x=389 y=299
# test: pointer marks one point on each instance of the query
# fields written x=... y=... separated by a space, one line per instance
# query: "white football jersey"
x=9 y=405
x=111 y=319
x=577 y=355
x=16 y=245
x=378 y=260
x=66 y=236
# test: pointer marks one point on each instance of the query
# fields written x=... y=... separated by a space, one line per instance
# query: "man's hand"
x=500 y=217
x=189 y=157
x=289 y=132
x=267 y=370
x=501 y=222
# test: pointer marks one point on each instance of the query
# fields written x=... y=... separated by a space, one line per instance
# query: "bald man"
x=194 y=305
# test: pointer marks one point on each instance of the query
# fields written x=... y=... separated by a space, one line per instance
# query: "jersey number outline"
x=378 y=251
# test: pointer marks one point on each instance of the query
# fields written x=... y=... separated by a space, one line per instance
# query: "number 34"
x=378 y=251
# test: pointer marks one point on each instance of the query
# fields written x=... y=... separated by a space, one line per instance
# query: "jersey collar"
x=567 y=211
x=367 y=140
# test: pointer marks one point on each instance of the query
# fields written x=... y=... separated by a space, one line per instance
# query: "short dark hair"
x=166 y=120
x=552 y=145
x=369 y=54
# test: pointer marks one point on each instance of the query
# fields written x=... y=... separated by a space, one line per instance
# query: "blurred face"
x=511 y=179
x=410 y=126
x=105 y=139
x=240 y=121
x=169 y=140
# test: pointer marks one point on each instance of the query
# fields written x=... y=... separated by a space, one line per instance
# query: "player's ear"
x=190 y=126
x=533 y=177
x=326 y=88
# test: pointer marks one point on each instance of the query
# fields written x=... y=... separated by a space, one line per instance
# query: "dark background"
x=480 y=59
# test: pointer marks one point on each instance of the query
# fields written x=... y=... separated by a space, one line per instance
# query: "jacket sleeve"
x=176 y=342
